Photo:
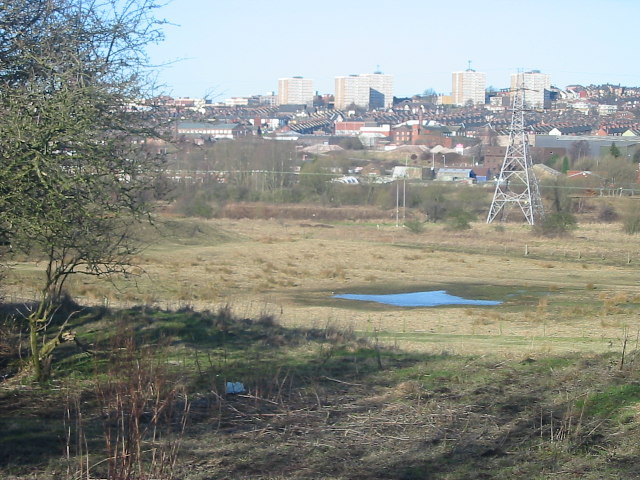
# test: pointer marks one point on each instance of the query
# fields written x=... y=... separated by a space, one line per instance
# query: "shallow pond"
x=417 y=299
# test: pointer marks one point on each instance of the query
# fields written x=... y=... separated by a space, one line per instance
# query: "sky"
x=218 y=49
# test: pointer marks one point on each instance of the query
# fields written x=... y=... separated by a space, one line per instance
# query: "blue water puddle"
x=417 y=299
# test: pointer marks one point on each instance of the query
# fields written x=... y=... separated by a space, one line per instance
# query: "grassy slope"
x=318 y=405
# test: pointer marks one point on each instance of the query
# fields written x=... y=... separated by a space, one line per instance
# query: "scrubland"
x=542 y=386
x=574 y=293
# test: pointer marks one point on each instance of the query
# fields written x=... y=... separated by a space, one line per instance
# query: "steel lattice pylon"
x=517 y=184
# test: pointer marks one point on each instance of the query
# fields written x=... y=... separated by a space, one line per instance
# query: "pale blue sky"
x=224 y=48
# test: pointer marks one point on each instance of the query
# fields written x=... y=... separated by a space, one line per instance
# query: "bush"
x=196 y=206
x=631 y=222
x=556 y=224
x=459 y=220
x=415 y=226
x=608 y=214
x=351 y=143
x=434 y=202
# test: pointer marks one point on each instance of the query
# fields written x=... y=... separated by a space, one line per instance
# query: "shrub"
x=459 y=219
x=434 y=202
x=631 y=222
x=198 y=207
x=194 y=204
x=351 y=143
x=415 y=226
x=556 y=224
x=608 y=214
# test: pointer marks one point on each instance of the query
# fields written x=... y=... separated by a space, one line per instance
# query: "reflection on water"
x=417 y=299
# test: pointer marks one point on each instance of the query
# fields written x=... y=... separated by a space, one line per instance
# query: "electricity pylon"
x=517 y=183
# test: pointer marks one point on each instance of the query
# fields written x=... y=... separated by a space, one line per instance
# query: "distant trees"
x=558 y=219
x=614 y=151
x=351 y=143
x=430 y=96
x=578 y=150
x=618 y=171
x=249 y=170
x=446 y=202
x=556 y=224
x=315 y=177
x=434 y=203
x=74 y=178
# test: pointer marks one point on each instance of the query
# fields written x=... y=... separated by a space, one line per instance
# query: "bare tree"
x=579 y=149
x=74 y=178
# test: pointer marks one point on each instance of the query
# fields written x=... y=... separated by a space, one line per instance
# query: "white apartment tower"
x=295 y=91
x=536 y=87
x=368 y=90
x=468 y=87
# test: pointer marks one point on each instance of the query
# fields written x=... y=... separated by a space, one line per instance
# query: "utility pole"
x=517 y=183
x=397 y=203
x=404 y=190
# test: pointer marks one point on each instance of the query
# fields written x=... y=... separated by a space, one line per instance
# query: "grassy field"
x=544 y=385
x=578 y=293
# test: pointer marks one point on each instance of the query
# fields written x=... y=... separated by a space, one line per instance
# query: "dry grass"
x=551 y=292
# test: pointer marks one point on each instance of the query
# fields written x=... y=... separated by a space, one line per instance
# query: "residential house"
x=438 y=135
x=613 y=130
x=402 y=135
x=607 y=109
x=632 y=132
x=493 y=156
x=212 y=131
x=566 y=129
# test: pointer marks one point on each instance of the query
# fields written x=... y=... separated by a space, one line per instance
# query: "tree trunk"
x=41 y=348
x=35 y=350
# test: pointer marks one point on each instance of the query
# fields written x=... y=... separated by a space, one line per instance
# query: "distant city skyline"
x=237 y=49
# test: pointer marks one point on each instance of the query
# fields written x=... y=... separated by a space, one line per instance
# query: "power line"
x=516 y=170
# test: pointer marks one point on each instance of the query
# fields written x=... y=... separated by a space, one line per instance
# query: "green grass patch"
x=612 y=400
x=188 y=232
x=444 y=339
x=27 y=440
x=348 y=404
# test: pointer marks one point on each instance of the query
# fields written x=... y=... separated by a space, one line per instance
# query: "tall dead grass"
x=144 y=411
